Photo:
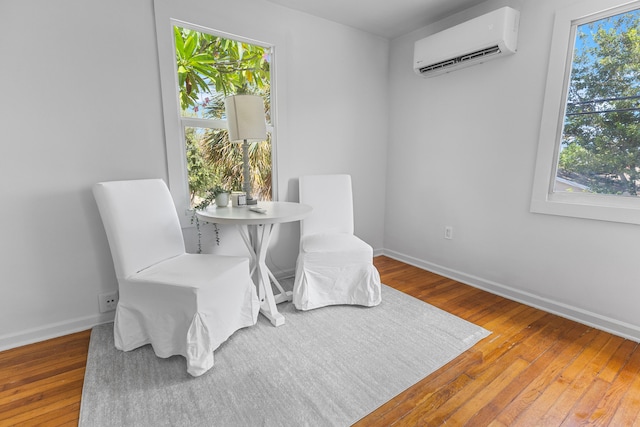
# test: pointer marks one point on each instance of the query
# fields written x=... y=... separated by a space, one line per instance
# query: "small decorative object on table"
x=238 y=198
x=217 y=194
x=222 y=199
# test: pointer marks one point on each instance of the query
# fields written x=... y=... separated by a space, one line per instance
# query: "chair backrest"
x=332 y=201
x=141 y=222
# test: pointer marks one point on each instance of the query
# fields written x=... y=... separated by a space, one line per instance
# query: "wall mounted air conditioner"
x=486 y=37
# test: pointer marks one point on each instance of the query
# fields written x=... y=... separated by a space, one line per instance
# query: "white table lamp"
x=246 y=122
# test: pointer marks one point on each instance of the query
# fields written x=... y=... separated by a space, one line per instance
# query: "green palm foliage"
x=209 y=69
x=228 y=163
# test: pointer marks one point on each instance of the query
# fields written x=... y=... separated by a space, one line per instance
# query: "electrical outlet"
x=448 y=232
x=108 y=302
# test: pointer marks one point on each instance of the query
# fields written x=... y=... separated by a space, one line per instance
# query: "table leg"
x=246 y=235
x=257 y=239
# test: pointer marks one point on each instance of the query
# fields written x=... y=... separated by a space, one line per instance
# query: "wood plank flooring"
x=535 y=369
x=41 y=384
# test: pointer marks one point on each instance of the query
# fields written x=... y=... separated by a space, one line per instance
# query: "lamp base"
x=251 y=201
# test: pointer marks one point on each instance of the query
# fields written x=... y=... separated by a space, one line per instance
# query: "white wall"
x=463 y=147
x=81 y=103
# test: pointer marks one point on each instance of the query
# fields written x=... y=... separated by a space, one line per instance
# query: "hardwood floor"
x=41 y=384
x=535 y=369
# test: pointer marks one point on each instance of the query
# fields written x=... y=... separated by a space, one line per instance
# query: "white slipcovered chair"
x=180 y=303
x=334 y=266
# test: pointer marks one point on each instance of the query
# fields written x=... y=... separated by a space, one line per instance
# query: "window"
x=205 y=67
x=208 y=69
x=588 y=161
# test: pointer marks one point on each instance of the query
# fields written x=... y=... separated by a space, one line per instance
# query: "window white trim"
x=197 y=122
x=543 y=199
x=174 y=123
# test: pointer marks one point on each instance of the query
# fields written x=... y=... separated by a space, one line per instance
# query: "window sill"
x=589 y=206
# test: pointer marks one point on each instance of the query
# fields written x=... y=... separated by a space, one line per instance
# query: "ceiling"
x=385 y=18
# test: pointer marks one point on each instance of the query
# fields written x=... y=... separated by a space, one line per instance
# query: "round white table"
x=255 y=229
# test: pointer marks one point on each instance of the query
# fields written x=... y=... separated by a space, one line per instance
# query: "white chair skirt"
x=335 y=268
x=171 y=307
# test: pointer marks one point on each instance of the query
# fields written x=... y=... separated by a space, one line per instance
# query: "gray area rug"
x=326 y=367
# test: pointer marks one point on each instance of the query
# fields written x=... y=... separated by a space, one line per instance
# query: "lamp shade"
x=245 y=118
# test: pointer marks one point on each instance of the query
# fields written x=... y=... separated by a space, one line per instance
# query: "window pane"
x=213 y=160
x=600 y=143
x=210 y=68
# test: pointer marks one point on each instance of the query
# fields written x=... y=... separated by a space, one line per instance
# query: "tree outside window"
x=210 y=68
x=600 y=145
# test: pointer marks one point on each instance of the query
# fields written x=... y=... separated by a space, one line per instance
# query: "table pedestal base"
x=255 y=229
x=256 y=238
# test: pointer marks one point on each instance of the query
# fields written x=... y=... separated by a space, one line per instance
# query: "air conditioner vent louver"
x=494 y=50
x=480 y=39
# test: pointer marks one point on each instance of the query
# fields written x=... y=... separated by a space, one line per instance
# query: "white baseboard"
x=586 y=317
x=54 y=330
x=614 y=326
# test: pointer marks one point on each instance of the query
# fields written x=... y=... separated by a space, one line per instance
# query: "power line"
x=613 y=110
x=597 y=101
